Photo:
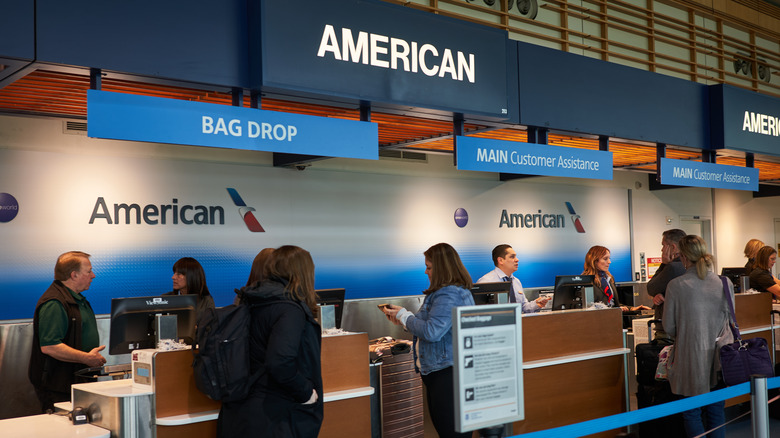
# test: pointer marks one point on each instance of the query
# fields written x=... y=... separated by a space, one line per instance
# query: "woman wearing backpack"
x=286 y=400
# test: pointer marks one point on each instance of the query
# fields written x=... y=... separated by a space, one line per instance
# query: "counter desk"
x=49 y=426
x=574 y=368
x=754 y=317
x=183 y=411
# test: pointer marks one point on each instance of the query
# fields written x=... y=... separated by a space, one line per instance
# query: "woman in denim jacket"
x=432 y=330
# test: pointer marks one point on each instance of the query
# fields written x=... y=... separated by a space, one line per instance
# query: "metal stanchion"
x=759 y=404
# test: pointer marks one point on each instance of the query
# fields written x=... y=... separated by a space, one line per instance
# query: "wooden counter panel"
x=175 y=390
x=345 y=362
x=347 y=418
x=571 y=393
x=203 y=429
x=752 y=310
x=565 y=333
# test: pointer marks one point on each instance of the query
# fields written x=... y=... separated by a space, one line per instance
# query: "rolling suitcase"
x=651 y=392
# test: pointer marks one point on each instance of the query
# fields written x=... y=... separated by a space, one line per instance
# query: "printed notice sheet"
x=488 y=366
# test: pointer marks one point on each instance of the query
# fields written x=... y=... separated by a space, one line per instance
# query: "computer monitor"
x=733 y=274
x=133 y=320
x=491 y=293
x=334 y=297
x=571 y=291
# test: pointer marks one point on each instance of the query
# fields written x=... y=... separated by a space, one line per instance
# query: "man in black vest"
x=65 y=335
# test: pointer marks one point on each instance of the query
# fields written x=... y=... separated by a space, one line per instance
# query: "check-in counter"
x=54 y=426
x=183 y=411
x=168 y=404
x=754 y=317
x=753 y=312
x=574 y=364
x=346 y=385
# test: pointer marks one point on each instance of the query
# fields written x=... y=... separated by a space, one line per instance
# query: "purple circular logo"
x=461 y=217
x=8 y=207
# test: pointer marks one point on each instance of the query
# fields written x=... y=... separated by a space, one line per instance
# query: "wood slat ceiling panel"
x=61 y=94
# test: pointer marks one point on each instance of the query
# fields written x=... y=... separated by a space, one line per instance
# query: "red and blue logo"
x=575 y=218
x=246 y=212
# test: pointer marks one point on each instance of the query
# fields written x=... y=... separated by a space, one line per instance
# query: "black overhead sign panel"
x=376 y=51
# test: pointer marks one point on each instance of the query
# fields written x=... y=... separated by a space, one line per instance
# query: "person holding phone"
x=450 y=285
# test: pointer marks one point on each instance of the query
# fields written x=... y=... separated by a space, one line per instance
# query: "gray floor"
x=742 y=428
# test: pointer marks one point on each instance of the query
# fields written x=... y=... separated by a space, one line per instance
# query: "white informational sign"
x=488 y=362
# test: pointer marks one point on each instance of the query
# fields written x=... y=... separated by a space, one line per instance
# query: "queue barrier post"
x=759 y=403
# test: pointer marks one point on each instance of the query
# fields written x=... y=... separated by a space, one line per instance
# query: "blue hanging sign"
x=744 y=120
x=381 y=52
x=710 y=175
x=141 y=118
x=532 y=159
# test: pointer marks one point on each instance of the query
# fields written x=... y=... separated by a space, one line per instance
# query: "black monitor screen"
x=570 y=291
x=488 y=293
x=733 y=274
x=333 y=297
x=132 y=320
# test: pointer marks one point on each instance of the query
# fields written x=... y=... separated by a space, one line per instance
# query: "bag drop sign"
x=234 y=127
x=122 y=116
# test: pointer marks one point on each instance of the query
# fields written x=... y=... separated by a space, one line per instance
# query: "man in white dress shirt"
x=505 y=259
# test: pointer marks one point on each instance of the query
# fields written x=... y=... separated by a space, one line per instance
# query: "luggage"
x=221 y=361
x=651 y=392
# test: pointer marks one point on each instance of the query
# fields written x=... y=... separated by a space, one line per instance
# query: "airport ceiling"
x=63 y=94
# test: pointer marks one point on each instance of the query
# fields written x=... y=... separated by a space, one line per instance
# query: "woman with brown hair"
x=286 y=400
x=256 y=272
x=189 y=278
x=761 y=278
x=597 y=262
x=258 y=266
x=431 y=326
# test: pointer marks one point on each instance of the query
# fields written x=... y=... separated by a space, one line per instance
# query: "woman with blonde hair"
x=286 y=400
x=751 y=249
x=695 y=314
x=450 y=285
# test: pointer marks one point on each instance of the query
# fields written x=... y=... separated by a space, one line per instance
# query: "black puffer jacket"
x=285 y=348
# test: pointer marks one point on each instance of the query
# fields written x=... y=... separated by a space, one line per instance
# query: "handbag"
x=743 y=358
x=665 y=361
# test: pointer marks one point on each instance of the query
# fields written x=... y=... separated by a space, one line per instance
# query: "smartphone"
x=382 y=306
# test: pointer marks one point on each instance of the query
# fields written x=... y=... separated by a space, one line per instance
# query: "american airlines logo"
x=246 y=212
x=575 y=218
x=173 y=213
x=540 y=219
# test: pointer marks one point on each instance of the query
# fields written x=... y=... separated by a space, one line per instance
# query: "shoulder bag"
x=743 y=358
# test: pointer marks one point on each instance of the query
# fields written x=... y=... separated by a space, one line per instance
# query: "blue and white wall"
x=366 y=223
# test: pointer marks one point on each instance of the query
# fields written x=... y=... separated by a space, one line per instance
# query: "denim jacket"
x=432 y=327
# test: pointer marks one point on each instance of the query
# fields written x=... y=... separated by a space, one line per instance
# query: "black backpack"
x=221 y=362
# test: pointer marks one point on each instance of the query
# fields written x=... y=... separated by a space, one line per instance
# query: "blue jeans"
x=714 y=416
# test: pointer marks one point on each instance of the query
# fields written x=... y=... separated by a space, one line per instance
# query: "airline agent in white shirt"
x=505 y=259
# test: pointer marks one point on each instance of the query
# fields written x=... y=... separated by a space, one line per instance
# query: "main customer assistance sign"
x=142 y=118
